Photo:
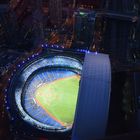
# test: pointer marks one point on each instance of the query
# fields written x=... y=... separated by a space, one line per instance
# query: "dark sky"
x=3 y=1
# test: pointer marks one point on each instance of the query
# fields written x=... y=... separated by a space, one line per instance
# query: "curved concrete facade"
x=94 y=97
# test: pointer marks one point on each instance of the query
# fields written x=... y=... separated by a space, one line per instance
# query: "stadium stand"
x=25 y=83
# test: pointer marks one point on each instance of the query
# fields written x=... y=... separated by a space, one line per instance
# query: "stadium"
x=42 y=94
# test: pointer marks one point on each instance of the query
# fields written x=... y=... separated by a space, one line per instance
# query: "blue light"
x=6 y=90
x=23 y=62
x=33 y=56
x=12 y=118
x=28 y=58
x=96 y=53
x=42 y=45
x=46 y=45
x=7 y=108
x=18 y=65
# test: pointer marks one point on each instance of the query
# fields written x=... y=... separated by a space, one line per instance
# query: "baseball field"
x=58 y=99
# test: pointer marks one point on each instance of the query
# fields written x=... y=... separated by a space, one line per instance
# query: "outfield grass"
x=58 y=99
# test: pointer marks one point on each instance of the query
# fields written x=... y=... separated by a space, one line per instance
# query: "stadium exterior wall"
x=93 y=99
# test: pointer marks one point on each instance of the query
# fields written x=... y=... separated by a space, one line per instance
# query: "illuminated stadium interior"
x=46 y=93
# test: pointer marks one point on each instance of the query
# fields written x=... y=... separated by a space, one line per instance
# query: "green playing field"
x=58 y=99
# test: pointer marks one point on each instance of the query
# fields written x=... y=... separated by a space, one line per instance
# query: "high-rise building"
x=55 y=12
x=83 y=28
x=118 y=34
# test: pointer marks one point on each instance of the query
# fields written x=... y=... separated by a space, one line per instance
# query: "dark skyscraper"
x=84 y=28
x=118 y=32
x=55 y=12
